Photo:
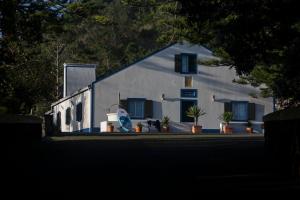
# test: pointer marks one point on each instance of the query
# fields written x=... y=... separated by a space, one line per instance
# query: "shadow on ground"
x=148 y=167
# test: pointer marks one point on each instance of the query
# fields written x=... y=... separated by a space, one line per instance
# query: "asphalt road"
x=148 y=166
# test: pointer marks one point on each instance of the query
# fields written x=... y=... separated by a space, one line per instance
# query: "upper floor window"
x=79 y=112
x=186 y=63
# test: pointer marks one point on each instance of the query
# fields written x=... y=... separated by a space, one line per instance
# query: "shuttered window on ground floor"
x=241 y=110
x=138 y=108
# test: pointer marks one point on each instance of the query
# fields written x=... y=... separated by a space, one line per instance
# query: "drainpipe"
x=65 y=80
x=91 y=88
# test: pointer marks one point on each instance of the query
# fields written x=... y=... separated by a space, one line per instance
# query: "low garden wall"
x=282 y=138
x=19 y=127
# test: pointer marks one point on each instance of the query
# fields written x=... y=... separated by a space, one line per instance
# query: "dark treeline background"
x=38 y=36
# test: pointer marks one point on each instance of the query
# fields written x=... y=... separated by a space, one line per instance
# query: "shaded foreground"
x=145 y=165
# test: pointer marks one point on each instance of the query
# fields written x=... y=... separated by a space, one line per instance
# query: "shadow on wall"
x=259 y=112
x=172 y=99
x=204 y=78
x=157 y=110
x=222 y=100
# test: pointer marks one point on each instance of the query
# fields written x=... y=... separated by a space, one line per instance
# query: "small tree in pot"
x=195 y=112
x=165 y=124
x=110 y=127
x=138 y=127
x=226 y=117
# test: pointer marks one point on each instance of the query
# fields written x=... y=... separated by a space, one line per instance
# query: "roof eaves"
x=70 y=96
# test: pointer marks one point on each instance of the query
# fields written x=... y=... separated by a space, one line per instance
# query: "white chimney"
x=78 y=76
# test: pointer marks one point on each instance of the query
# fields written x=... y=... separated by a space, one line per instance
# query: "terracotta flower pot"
x=138 y=129
x=196 y=129
x=227 y=129
x=249 y=130
x=165 y=129
x=110 y=128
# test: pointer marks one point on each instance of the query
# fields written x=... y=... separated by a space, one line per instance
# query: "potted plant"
x=138 y=127
x=195 y=112
x=165 y=124
x=226 y=117
x=249 y=128
x=110 y=127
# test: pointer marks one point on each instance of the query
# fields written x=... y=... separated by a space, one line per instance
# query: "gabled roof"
x=114 y=71
x=106 y=75
x=71 y=95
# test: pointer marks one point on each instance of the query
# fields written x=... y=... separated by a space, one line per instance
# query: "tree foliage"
x=38 y=36
x=260 y=38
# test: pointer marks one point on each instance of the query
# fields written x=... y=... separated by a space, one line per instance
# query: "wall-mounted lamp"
x=162 y=98
x=213 y=98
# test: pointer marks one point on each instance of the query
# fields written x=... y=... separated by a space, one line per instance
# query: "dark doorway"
x=185 y=104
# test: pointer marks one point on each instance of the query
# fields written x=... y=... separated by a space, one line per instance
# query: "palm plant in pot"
x=165 y=124
x=249 y=128
x=226 y=117
x=195 y=112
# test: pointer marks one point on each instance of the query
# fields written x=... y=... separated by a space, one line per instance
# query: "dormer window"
x=186 y=63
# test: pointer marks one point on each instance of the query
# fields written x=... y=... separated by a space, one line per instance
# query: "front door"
x=185 y=104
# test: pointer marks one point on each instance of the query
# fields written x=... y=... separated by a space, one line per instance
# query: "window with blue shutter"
x=136 y=108
x=240 y=110
x=186 y=63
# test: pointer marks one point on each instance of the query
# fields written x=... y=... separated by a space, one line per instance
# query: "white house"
x=165 y=83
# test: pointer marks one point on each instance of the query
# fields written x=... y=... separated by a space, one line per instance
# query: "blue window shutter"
x=124 y=104
x=251 y=111
x=227 y=107
x=148 y=111
x=177 y=63
x=193 y=63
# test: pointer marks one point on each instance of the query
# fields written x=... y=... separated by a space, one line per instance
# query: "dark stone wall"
x=24 y=128
x=282 y=139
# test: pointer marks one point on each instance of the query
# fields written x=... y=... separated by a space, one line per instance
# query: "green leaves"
x=195 y=112
x=101 y=19
x=254 y=37
x=226 y=117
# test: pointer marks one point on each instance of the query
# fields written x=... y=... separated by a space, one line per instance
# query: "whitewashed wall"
x=84 y=125
x=154 y=76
